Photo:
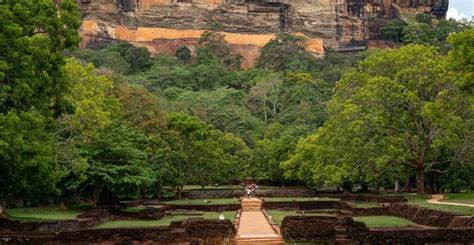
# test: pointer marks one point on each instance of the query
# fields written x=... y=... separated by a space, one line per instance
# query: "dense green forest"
x=74 y=122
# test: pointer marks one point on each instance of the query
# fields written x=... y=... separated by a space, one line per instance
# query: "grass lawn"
x=43 y=213
x=466 y=198
x=298 y=199
x=140 y=208
x=202 y=201
x=383 y=221
x=370 y=221
x=219 y=187
x=161 y=222
x=421 y=201
x=364 y=204
x=278 y=215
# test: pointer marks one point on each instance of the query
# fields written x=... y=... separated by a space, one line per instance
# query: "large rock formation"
x=164 y=25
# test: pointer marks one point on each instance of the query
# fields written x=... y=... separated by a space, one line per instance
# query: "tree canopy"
x=111 y=118
x=398 y=107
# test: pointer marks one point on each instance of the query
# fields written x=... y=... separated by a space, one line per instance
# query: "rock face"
x=164 y=25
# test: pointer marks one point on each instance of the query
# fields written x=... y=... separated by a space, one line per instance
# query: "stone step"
x=251 y=204
x=251 y=208
x=259 y=240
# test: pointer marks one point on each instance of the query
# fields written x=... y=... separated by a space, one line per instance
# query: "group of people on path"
x=250 y=189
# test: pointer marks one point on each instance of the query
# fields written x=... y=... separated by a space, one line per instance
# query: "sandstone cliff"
x=164 y=25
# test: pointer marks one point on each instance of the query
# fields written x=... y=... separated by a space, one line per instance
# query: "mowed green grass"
x=140 y=208
x=298 y=199
x=421 y=201
x=219 y=187
x=465 y=198
x=227 y=187
x=383 y=221
x=370 y=221
x=364 y=204
x=279 y=215
x=221 y=201
x=43 y=213
x=162 y=222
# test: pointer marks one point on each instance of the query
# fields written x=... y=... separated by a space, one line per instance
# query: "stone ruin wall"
x=164 y=25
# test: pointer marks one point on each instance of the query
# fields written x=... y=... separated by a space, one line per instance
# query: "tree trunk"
x=377 y=187
x=407 y=186
x=274 y=109
x=364 y=188
x=397 y=186
x=179 y=192
x=265 y=109
x=420 y=180
x=96 y=195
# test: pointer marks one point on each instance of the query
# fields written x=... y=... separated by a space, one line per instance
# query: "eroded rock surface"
x=164 y=25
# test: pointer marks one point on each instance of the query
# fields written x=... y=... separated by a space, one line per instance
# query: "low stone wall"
x=306 y=205
x=431 y=217
x=211 y=193
x=345 y=229
x=308 y=229
x=50 y=226
x=285 y=192
x=204 y=208
x=189 y=231
x=145 y=214
x=417 y=214
x=84 y=221
x=233 y=193
x=376 y=211
x=217 y=229
x=419 y=236
x=321 y=228
x=365 y=198
x=158 y=213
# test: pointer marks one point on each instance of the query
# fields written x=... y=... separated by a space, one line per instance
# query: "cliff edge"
x=164 y=25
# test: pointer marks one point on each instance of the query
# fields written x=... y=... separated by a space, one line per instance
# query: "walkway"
x=436 y=199
x=254 y=227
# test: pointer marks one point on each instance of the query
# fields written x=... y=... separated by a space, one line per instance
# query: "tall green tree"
x=393 y=30
x=33 y=36
x=28 y=170
x=202 y=154
x=461 y=58
x=212 y=47
x=286 y=53
x=122 y=58
x=93 y=108
x=304 y=100
x=138 y=57
x=399 y=107
x=265 y=96
x=117 y=160
x=276 y=146
x=224 y=108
